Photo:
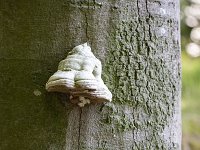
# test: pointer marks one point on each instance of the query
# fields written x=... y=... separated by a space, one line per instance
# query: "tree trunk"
x=138 y=44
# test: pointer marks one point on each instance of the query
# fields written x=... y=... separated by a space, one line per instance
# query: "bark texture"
x=138 y=44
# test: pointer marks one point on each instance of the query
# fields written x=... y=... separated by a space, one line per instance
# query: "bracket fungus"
x=80 y=76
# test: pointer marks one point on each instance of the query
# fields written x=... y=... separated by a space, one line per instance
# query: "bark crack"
x=86 y=21
x=86 y=18
x=86 y=28
x=79 y=129
x=149 y=17
x=138 y=9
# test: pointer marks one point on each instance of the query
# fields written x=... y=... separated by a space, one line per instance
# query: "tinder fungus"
x=80 y=76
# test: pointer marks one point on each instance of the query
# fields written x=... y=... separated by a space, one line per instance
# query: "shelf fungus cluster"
x=80 y=76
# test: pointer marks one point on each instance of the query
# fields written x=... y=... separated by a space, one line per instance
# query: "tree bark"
x=139 y=45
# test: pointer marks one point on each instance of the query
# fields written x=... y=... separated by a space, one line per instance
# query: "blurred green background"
x=190 y=20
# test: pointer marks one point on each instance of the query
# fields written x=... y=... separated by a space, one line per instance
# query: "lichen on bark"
x=142 y=70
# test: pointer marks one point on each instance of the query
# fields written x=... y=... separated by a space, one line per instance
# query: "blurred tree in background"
x=190 y=34
x=185 y=30
x=192 y=18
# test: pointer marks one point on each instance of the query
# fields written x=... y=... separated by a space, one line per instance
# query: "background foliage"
x=190 y=89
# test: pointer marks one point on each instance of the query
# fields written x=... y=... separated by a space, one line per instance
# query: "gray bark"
x=139 y=46
x=138 y=42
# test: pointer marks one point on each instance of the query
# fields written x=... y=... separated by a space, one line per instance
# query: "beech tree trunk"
x=139 y=45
